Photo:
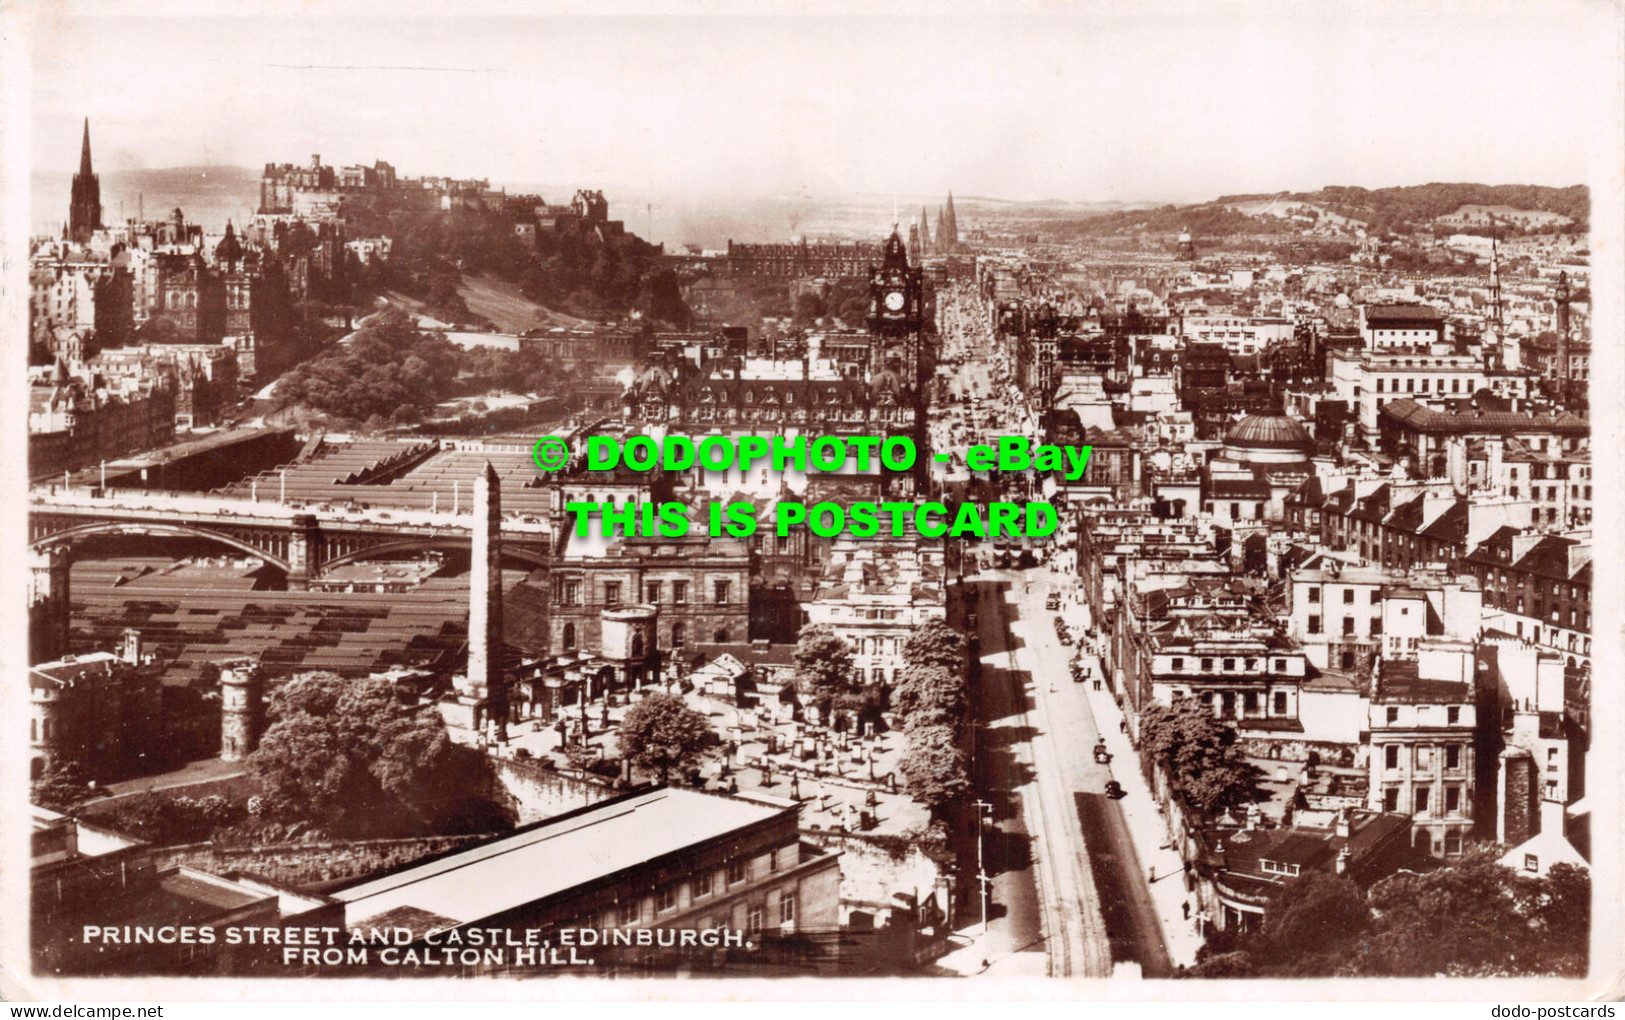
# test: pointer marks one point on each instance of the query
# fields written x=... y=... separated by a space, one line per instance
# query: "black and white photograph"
x=677 y=497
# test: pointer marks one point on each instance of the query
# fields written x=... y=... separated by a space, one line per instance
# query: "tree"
x=1475 y=917
x=61 y=788
x=823 y=665
x=349 y=756
x=661 y=733
x=933 y=688
x=1199 y=752
x=934 y=767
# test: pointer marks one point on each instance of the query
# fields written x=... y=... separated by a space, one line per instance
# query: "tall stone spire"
x=485 y=663
x=85 y=205
x=951 y=241
x=925 y=231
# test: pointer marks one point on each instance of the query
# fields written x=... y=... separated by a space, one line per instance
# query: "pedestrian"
x=1153 y=872
x=1186 y=906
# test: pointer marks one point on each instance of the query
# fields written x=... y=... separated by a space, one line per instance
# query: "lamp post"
x=982 y=878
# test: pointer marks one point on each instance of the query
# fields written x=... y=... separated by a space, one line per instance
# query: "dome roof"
x=1258 y=431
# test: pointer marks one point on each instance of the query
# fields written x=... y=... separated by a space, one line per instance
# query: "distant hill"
x=209 y=195
x=1380 y=210
x=1417 y=207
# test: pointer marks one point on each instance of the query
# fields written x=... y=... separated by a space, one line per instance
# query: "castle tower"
x=85 y=205
x=485 y=600
x=47 y=604
x=242 y=710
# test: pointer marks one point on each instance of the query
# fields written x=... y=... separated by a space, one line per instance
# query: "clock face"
x=894 y=301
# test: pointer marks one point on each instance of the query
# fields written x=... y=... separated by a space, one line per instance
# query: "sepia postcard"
x=830 y=500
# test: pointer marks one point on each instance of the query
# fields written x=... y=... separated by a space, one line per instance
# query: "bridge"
x=300 y=542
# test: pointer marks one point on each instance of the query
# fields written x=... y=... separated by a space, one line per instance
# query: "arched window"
x=569 y=635
x=677 y=635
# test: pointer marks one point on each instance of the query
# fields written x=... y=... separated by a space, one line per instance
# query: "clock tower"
x=897 y=309
x=896 y=293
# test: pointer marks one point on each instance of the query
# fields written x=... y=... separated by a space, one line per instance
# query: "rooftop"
x=556 y=855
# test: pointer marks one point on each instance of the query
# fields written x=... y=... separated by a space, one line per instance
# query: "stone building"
x=98 y=711
x=668 y=859
x=700 y=586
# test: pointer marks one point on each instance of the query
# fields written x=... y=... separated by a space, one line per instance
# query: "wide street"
x=1066 y=881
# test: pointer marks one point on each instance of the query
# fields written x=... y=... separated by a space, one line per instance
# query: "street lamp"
x=982 y=878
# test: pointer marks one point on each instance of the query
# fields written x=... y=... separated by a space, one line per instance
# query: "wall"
x=544 y=793
x=302 y=865
x=875 y=868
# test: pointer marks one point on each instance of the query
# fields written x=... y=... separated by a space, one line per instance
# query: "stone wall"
x=542 y=793
x=309 y=865
x=875 y=868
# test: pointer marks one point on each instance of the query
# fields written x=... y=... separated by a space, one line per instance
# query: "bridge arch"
x=425 y=543
x=82 y=531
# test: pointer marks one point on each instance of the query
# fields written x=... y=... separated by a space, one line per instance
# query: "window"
x=1452 y=757
x=753 y=920
x=1314 y=596
x=736 y=872
x=1531 y=862
x=1393 y=715
x=570 y=595
x=612 y=593
x=1452 y=715
x=702 y=887
x=679 y=592
x=1424 y=757
x=1452 y=799
x=666 y=898
x=787 y=909
x=1346 y=660
x=569 y=635
x=1390 y=799
x=1422 y=799
x=1374 y=596
x=1280 y=702
x=1229 y=665
x=1207 y=665
x=1348 y=626
x=1376 y=626
x=1314 y=625
x=1178 y=663
x=1452 y=841
x=1280 y=665
x=652 y=593
x=721 y=590
x=631 y=911
x=1390 y=756
x=1348 y=596
x=1249 y=701
x=677 y=631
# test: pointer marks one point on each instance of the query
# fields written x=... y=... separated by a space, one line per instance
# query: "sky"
x=1159 y=101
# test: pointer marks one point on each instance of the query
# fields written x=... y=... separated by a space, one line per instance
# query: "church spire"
x=85 y=203
x=84 y=151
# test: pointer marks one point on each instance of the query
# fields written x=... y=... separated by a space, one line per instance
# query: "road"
x=1067 y=724
x=1066 y=877
x=1066 y=880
